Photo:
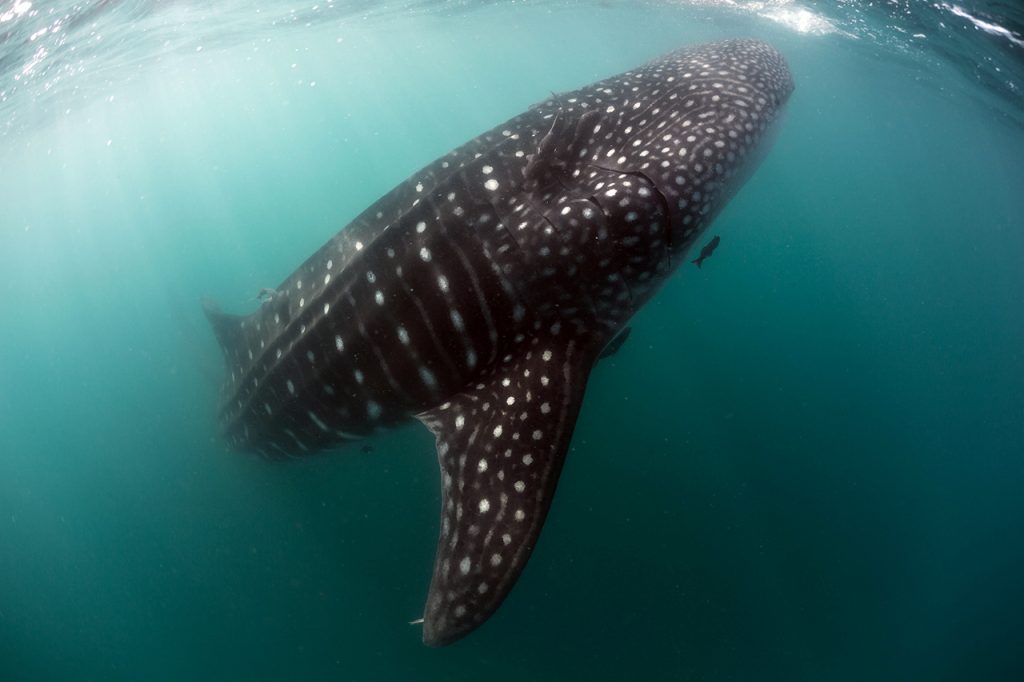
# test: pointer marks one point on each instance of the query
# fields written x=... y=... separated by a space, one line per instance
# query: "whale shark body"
x=477 y=295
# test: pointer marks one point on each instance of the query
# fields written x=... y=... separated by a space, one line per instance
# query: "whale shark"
x=477 y=295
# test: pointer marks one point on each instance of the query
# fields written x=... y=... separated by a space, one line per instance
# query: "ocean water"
x=806 y=463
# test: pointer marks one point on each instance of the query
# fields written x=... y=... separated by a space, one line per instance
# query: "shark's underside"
x=477 y=295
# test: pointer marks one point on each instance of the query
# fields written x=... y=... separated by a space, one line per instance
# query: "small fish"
x=266 y=294
x=708 y=249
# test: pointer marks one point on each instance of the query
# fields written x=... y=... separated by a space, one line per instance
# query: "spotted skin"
x=477 y=295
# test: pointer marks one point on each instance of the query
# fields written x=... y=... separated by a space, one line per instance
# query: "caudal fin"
x=698 y=261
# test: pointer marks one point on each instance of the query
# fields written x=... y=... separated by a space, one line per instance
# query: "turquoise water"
x=806 y=463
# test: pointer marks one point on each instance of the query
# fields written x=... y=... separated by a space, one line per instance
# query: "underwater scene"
x=307 y=309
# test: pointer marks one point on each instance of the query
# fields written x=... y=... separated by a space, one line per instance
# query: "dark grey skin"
x=477 y=295
x=706 y=252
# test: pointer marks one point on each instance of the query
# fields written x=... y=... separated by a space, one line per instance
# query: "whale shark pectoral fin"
x=500 y=446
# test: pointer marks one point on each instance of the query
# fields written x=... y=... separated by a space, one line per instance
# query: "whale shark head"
x=658 y=151
x=477 y=296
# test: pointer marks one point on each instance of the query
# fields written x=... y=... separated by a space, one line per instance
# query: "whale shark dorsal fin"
x=229 y=329
x=500 y=447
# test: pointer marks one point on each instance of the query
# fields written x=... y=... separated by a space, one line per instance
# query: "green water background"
x=806 y=463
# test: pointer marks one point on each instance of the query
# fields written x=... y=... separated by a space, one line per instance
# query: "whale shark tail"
x=698 y=261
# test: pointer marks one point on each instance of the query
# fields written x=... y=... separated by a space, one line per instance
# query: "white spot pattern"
x=653 y=152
